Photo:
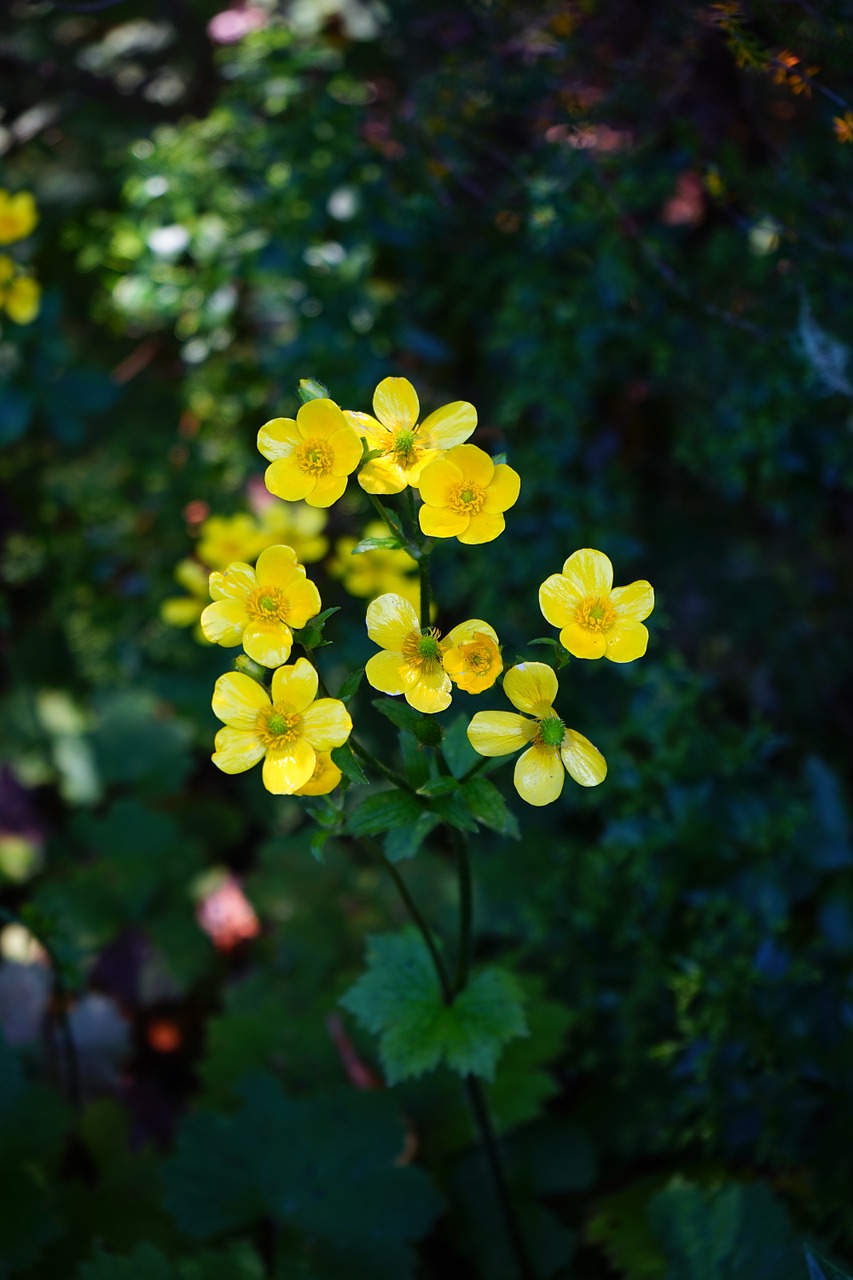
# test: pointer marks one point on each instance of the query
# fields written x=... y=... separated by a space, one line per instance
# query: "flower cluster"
x=20 y=293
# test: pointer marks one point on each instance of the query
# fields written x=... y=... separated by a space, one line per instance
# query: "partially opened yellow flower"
x=259 y=607
x=406 y=445
x=552 y=749
x=465 y=495
x=324 y=779
x=18 y=216
x=312 y=456
x=472 y=657
x=186 y=611
x=597 y=620
x=288 y=731
x=412 y=661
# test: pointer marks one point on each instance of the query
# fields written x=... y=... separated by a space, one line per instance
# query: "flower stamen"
x=315 y=457
x=595 y=613
x=278 y=725
x=467 y=498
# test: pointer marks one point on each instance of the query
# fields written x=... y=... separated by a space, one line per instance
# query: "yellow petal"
x=504 y=489
x=441 y=522
x=236 y=750
x=438 y=481
x=583 y=643
x=413 y=473
x=539 y=775
x=296 y=685
x=558 y=600
x=324 y=779
x=278 y=438
x=303 y=601
x=237 y=699
x=634 y=602
x=499 y=733
x=532 y=687
x=430 y=694
x=346 y=447
x=475 y=464
x=286 y=479
x=395 y=403
x=277 y=566
x=466 y=631
x=449 y=426
x=180 y=611
x=326 y=724
x=380 y=475
x=234 y=584
x=223 y=622
x=289 y=768
x=626 y=641
x=583 y=761
x=268 y=643
x=483 y=527
x=326 y=491
x=320 y=420
x=589 y=572
x=193 y=577
x=390 y=621
x=384 y=671
x=23 y=300
x=366 y=426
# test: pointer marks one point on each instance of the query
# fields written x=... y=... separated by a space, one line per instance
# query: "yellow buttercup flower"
x=20 y=294
x=186 y=611
x=18 y=216
x=258 y=607
x=324 y=779
x=298 y=526
x=597 y=620
x=472 y=657
x=226 y=539
x=407 y=447
x=288 y=731
x=312 y=456
x=465 y=495
x=412 y=661
x=552 y=749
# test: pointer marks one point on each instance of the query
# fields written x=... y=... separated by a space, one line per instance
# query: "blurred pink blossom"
x=227 y=916
x=233 y=24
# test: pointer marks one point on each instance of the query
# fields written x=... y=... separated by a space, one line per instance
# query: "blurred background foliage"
x=622 y=231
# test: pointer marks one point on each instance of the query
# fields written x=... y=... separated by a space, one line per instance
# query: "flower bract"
x=288 y=730
x=472 y=657
x=407 y=446
x=311 y=456
x=259 y=607
x=552 y=749
x=465 y=495
x=597 y=620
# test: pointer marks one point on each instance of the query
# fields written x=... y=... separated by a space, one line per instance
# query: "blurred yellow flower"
x=20 y=294
x=843 y=126
x=406 y=446
x=288 y=731
x=371 y=573
x=298 y=526
x=186 y=611
x=465 y=495
x=552 y=749
x=259 y=606
x=472 y=657
x=312 y=456
x=18 y=216
x=597 y=620
x=225 y=539
x=324 y=779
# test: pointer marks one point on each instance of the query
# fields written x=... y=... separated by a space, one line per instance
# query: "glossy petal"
x=304 y=601
x=634 y=602
x=504 y=490
x=326 y=724
x=278 y=566
x=582 y=643
x=431 y=694
x=223 y=622
x=278 y=438
x=380 y=475
x=287 y=480
x=441 y=522
x=626 y=641
x=451 y=425
x=295 y=686
x=532 y=687
x=366 y=426
x=438 y=480
x=234 y=584
x=475 y=464
x=346 y=446
x=558 y=600
x=319 y=420
x=583 y=761
x=286 y=770
x=589 y=572
x=415 y=471
x=268 y=643
x=326 y=491
x=395 y=403
x=236 y=750
x=391 y=620
x=539 y=775
x=483 y=527
x=384 y=671
x=466 y=631
x=324 y=779
x=237 y=699
x=499 y=733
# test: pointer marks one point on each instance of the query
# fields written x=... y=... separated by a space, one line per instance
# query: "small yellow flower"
x=412 y=661
x=289 y=731
x=465 y=495
x=186 y=611
x=20 y=294
x=18 y=216
x=225 y=539
x=843 y=126
x=472 y=657
x=324 y=779
x=597 y=620
x=312 y=456
x=371 y=573
x=259 y=606
x=552 y=749
x=407 y=447
x=298 y=526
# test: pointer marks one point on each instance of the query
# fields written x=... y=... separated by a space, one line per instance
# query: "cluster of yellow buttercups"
x=463 y=495
x=20 y=295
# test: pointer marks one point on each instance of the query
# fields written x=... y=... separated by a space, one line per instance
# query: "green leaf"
x=438 y=787
x=383 y=812
x=489 y=807
x=399 y=999
x=317 y=844
x=145 y=1263
x=389 y=543
x=458 y=752
x=547 y=640
x=455 y=812
x=350 y=686
x=311 y=635
x=399 y=713
x=416 y=761
x=349 y=765
x=404 y=842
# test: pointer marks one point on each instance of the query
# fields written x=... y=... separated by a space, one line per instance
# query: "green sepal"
x=350 y=686
x=311 y=635
x=348 y=765
x=311 y=389
x=250 y=668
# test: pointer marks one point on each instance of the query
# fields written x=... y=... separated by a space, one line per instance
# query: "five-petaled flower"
x=288 y=731
x=311 y=456
x=18 y=216
x=597 y=620
x=552 y=748
x=465 y=495
x=406 y=446
x=412 y=661
x=259 y=607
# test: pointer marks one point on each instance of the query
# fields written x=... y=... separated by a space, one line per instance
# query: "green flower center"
x=428 y=647
x=422 y=651
x=403 y=447
x=467 y=498
x=551 y=731
x=278 y=725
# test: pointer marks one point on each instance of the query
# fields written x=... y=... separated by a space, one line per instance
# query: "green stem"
x=426 y=594
x=410 y=507
x=377 y=764
x=476 y=767
x=382 y=513
x=466 y=909
x=417 y=919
